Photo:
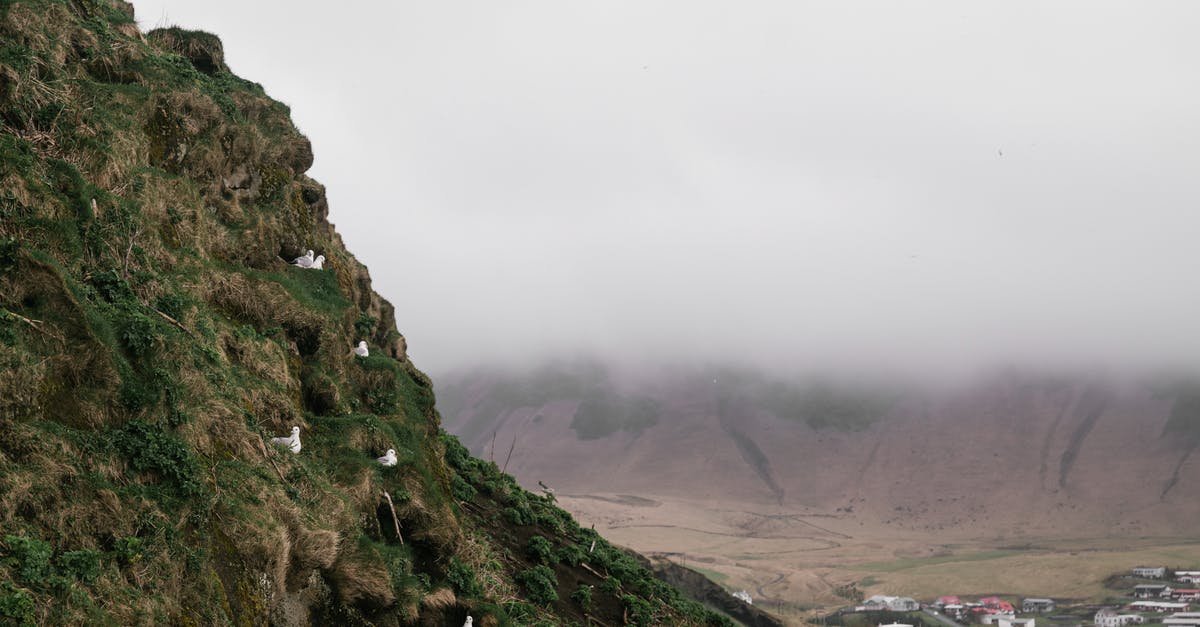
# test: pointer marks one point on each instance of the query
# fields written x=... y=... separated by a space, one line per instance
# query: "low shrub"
x=16 y=606
x=639 y=610
x=30 y=558
x=149 y=449
x=83 y=565
x=461 y=577
x=540 y=549
x=540 y=583
x=583 y=596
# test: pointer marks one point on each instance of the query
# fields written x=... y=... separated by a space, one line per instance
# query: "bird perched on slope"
x=469 y=621
x=317 y=263
x=305 y=260
x=361 y=349
x=389 y=459
x=292 y=441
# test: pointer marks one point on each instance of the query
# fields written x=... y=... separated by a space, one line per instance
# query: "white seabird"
x=304 y=261
x=317 y=263
x=469 y=621
x=361 y=349
x=389 y=459
x=292 y=441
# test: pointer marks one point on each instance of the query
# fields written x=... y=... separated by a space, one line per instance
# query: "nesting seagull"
x=305 y=261
x=388 y=460
x=361 y=349
x=317 y=263
x=292 y=441
x=469 y=621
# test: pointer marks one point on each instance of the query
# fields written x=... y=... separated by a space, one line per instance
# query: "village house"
x=1150 y=572
x=1034 y=605
x=1183 y=619
x=957 y=611
x=1107 y=617
x=1151 y=590
x=1187 y=576
x=1007 y=620
x=895 y=625
x=1159 y=606
x=882 y=602
x=1186 y=594
x=996 y=605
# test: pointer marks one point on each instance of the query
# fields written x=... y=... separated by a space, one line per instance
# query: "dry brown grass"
x=204 y=50
x=244 y=299
x=217 y=430
x=316 y=548
x=439 y=599
x=361 y=579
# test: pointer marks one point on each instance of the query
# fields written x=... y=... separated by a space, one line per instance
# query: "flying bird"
x=388 y=460
x=292 y=441
x=304 y=261
x=317 y=263
x=361 y=349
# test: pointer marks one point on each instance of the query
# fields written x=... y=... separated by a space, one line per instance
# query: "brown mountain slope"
x=1011 y=454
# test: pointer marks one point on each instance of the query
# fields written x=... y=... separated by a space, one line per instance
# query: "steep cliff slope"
x=154 y=337
x=1009 y=454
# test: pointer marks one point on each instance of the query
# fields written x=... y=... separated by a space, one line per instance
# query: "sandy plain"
x=799 y=563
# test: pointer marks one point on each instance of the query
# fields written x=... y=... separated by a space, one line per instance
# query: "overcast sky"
x=928 y=185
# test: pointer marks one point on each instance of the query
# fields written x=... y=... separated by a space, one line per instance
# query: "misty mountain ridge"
x=1009 y=452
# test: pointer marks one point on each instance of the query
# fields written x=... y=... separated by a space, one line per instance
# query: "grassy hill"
x=154 y=337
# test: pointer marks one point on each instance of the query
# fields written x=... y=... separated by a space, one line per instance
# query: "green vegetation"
x=16 y=606
x=554 y=541
x=540 y=583
x=540 y=549
x=916 y=562
x=583 y=596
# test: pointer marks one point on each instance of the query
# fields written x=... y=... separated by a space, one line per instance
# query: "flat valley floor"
x=795 y=561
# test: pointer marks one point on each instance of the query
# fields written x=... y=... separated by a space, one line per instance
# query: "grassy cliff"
x=153 y=338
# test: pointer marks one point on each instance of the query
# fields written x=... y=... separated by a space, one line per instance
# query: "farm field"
x=800 y=562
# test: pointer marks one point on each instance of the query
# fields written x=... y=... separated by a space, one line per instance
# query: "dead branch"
x=172 y=321
x=129 y=251
x=395 y=520
x=510 y=451
x=591 y=570
x=263 y=446
x=36 y=325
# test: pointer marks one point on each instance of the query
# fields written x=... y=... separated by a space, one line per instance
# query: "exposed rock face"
x=1009 y=454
